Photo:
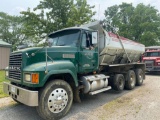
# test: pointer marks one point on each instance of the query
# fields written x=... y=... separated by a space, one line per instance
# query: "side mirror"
x=94 y=37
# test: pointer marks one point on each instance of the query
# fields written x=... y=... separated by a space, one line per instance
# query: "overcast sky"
x=13 y=7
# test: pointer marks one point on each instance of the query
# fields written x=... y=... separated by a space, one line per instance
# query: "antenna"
x=46 y=59
x=99 y=12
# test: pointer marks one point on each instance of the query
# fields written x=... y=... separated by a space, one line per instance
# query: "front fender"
x=52 y=72
x=56 y=67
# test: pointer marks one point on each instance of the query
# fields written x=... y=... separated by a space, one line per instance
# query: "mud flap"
x=76 y=94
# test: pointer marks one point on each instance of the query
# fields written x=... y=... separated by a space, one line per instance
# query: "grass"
x=2 y=79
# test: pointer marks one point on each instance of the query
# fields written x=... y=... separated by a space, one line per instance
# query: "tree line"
x=140 y=23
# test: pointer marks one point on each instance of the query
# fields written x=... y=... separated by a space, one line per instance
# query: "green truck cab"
x=51 y=77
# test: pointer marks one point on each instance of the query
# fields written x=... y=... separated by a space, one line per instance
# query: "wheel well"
x=123 y=69
x=65 y=76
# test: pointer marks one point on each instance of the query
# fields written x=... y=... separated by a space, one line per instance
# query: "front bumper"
x=153 y=68
x=22 y=95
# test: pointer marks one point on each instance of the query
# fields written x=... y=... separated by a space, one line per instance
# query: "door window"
x=86 y=40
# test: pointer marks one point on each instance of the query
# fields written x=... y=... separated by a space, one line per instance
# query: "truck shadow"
x=19 y=112
x=92 y=102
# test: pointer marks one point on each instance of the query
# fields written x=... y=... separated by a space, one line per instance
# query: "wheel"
x=118 y=82
x=139 y=77
x=55 y=100
x=130 y=80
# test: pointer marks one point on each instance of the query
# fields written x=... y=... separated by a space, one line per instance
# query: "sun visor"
x=95 y=26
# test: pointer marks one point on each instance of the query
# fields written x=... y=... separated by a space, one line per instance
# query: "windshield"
x=65 y=38
x=153 y=54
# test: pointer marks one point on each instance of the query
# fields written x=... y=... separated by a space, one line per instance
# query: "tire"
x=130 y=80
x=139 y=77
x=55 y=100
x=118 y=82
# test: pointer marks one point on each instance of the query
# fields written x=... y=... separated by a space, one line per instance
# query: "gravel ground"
x=6 y=102
x=142 y=103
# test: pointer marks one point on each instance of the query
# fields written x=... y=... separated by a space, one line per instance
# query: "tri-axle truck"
x=152 y=58
x=77 y=60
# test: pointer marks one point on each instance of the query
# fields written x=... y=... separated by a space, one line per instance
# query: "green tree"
x=140 y=23
x=112 y=17
x=11 y=29
x=146 y=25
x=119 y=17
x=81 y=13
x=52 y=15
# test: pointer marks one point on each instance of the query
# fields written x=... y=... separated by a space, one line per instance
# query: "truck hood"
x=38 y=54
x=41 y=49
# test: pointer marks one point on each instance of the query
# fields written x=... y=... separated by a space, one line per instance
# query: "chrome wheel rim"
x=57 y=100
x=132 y=80
x=121 y=84
x=140 y=78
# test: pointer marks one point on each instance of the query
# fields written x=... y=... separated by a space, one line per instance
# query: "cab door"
x=88 y=54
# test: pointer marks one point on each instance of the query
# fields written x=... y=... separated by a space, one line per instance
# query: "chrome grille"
x=15 y=63
x=149 y=64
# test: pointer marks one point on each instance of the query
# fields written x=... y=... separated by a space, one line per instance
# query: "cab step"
x=99 y=91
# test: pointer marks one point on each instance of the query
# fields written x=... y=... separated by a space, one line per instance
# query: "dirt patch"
x=6 y=102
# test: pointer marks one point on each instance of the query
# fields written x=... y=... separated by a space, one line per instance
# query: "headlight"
x=7 y=73
x=158 y=63
x=27 y=77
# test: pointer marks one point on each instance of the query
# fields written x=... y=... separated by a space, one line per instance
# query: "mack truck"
x=77 y=61
x=152 y=58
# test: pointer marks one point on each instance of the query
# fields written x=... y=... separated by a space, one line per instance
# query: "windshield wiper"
x=34 y=53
